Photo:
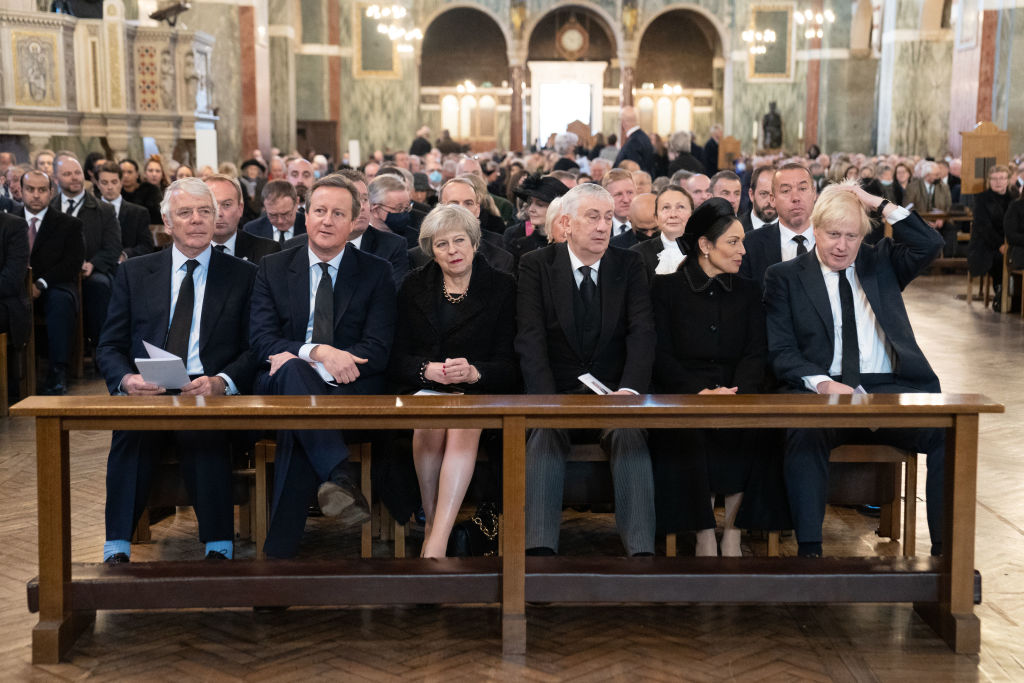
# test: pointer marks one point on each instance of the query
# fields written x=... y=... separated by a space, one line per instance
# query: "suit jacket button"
x=713 y=327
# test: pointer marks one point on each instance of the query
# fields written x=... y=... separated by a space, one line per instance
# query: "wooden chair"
x=263 y=455
x=889 y=518
x=27 y=384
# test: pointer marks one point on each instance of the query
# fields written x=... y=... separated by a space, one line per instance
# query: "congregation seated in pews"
x=523 y=274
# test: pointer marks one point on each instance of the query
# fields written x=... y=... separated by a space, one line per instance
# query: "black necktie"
x=801 y=247
x=181 y=323
x=220 y=247
x=71 y=207
x=587 y=287
x=280 y=238
x=323 y=308
x=851 y=349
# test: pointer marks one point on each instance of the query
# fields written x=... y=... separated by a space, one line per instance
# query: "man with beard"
x=762 y=212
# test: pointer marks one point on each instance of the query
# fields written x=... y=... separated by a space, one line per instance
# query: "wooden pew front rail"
x=949 y=608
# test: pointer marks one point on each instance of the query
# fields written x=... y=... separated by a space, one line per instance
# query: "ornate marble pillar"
x=282 y=38
x=813 y=86
x=517 y=74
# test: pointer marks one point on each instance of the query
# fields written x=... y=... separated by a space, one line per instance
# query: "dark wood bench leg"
x=142 y=534
x=953 y=616
x=59 y=625
x=513 y=544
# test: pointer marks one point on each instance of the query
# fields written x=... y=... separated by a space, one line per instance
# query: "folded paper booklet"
x=162 y=368
x=594 y=384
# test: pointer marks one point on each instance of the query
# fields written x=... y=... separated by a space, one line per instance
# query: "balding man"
x=699 y=187
x=642 y=221
x=505 y=207
x=227 y=238
x=637 y=146
x=299 y=173
x=102 y=235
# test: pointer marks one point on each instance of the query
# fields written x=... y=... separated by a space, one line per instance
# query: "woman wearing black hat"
x=711 y=340
x=530 y=233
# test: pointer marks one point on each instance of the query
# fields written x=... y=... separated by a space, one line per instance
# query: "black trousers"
x=205 y=458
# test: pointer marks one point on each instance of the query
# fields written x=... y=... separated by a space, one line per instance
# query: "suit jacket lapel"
x=298 y=293
x=348 y=277
x=869 y=282
x=814 y=284
x=563 y=289
x=612 y=287
x=217 y=284
x=160 y=305
x=775 y=245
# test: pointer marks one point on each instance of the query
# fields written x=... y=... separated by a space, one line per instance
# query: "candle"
x=754 y=131
x=800 y=130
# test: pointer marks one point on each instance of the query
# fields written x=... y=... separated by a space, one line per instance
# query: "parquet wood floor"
x=972 y=349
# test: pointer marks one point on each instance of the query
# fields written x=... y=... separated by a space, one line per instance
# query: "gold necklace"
x=452 y=299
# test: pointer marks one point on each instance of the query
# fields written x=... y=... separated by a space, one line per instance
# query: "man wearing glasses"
x=391 y=208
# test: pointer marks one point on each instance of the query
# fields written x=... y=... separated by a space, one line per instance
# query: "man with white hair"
x=421 y=143
x=565 y=147
x=927 y=193
x=637 y=146
x=680 y=156
x=584 y=308
x=194 y=302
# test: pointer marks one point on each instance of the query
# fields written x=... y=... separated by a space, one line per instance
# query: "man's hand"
x=134 y=385
x=86 y=268
x=279 y=359
x=622 y=392
x=36 y=292
x=718 y=391
x=205 y=386
x=1002 y=248
x=342 y=365
x=830 y=387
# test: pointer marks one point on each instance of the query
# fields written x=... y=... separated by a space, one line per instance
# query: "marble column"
x=281 y=33
x=516 y=75
x=254 y=70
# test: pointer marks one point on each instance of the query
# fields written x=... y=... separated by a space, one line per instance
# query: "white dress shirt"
x=789 y=246
x=357 y=242
x=193 y=365
x=315 y=273
x=229 y=244
x=756 y=222
x=78 y=199
x=116 y=205
x=619 y=227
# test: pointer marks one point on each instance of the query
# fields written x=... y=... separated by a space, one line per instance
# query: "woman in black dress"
x=454 y=331
x=985 y=250
x=711 y=340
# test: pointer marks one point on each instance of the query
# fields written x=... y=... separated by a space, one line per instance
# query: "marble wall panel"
x=376 y=111
x=963 y=111
x=221 y=21
x=311 y=84
x=920 y=102
x=1008 y=82
x=750 y=104
x=847 y=92
x=282 y=92
x=314 y=21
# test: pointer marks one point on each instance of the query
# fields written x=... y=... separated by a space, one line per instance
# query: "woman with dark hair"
x=454 y=332
x=663 y=253
x=711 y=340
x=156 y=174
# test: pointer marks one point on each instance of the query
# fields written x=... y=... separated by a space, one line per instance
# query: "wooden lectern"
x=728 y=153
x=982 y=148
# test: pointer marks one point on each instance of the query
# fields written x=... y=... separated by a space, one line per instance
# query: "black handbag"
x=477 y=536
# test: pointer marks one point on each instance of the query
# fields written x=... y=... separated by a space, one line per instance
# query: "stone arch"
x=476 y=57
x=611 y=26
x=499 y=21
x=712 y=19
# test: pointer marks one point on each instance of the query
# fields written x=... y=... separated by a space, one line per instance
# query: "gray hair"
x=565 y=143
x=571 y=199
x=680 y=177
x=447 y=218
x=554 y=213
x=483 y=197
x=679 y=143
x=382 y=185
x=194 y=187
x=600 y=162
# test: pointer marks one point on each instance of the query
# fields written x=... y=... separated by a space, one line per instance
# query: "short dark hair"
x=336 y=180
x=134 y=163
x=109 y=167
x=722 y=175
x=758 y=172
x=792 y=166
x=352 y=174
x=276 y=189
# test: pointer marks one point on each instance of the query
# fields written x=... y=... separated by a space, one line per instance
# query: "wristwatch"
x=881 y=207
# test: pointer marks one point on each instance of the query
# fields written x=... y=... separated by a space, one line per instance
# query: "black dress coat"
x=711 y=333
x=136 y=237
x=987 y=231
x=1013 y=228
x=482 y=331
x=13 y=265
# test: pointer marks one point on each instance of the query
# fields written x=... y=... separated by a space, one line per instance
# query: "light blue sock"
x=111 y=548
x=224 y=547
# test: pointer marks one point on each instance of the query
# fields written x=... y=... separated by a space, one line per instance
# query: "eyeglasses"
x=396 y=209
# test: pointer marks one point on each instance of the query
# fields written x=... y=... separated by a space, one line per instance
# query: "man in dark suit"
x=388 y=246
x=136 y=237
x=226 y=236
x=643 y=224
x=57 y=252
x=762 y=212
x=793 y=197
x=585 y=308
x=391 y=208
x=324 y=317
x=283 y=218
x=15 y=319
x=711 y=149
x=637 y=146
x=836 y=322
x=194 y=303
x=102 y=240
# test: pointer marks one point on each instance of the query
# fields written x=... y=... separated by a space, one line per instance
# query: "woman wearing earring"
x=454 y=332
x=663 y=253
x=711 y=340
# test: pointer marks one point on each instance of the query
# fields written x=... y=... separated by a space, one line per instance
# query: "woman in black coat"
x=985 y=250
x=711 y=340
x=454 y=331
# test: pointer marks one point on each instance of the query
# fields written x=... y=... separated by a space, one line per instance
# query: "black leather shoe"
x=56 y=382
x=117 y=558
x=340 y=497
x=216 y=555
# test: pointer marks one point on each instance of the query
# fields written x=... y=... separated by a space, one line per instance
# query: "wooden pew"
x=942 y=589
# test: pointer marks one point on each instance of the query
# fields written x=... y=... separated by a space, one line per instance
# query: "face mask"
x=398 y=222
x=741 y=167
x=435 y=177
x=886 y=183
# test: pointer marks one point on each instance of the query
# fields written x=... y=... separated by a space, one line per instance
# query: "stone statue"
x=167 y=79
x=771 y=127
